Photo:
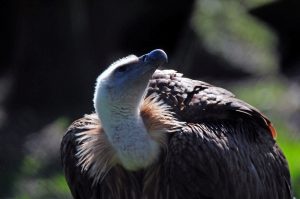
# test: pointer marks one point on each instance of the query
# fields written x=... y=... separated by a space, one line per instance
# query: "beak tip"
x=156 y=56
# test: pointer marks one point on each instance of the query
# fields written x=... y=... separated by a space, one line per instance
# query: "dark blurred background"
x=52 y=51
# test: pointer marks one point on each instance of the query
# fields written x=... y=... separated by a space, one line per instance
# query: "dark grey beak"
x=156 y=58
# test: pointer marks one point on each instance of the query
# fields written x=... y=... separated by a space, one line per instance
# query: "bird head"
x=125 y=81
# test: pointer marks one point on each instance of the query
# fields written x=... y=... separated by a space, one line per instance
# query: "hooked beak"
x=155 y=58
x=148 y=63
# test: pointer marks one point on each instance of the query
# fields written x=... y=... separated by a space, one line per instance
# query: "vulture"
x=156 y=134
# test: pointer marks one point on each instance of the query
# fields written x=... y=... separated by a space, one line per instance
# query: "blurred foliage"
x=36 y=177
x=227 y=30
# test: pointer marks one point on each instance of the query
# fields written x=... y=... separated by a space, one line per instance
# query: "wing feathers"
x=217 y=147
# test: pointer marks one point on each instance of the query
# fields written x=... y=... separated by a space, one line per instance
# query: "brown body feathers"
x=213 y=146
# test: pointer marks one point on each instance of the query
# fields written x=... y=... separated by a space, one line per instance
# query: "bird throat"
x=130 y=139
x=137 y=135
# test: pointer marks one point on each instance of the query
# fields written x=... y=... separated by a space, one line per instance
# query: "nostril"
x=144 y=58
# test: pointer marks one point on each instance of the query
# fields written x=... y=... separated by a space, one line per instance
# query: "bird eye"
x=122 y=69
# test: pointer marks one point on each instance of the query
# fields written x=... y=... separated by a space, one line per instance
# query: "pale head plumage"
x=118 y=99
